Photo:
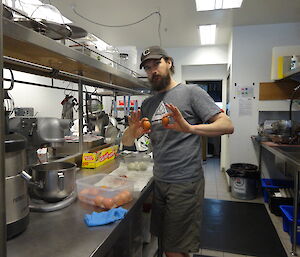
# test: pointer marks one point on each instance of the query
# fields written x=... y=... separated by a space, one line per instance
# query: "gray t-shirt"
x=177 y=155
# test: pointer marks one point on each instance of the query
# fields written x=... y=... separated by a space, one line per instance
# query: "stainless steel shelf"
x=29 y=51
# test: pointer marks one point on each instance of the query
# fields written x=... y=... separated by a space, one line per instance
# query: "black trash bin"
x=244 y=179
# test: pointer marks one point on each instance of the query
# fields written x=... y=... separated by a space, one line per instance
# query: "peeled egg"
x=143 y=166
x=131 y=166
x=108 y=203
x=99 y=201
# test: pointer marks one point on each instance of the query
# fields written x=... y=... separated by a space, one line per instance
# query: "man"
x=178 y=174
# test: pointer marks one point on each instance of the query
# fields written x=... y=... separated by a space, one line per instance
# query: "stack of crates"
x=272 y=191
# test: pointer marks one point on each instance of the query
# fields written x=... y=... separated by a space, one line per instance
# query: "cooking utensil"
x=77 y=32
x=52 y=181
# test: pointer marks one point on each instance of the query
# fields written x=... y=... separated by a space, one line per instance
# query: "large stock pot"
x=52 y=181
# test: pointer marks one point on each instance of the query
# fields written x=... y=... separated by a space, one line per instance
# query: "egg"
x=128 y=195
x=131 y=166
x=146 y=124
x=165 y=120
x=84 y=191
x=93 y=191
x=108 y=203
x=98 y=201
x=118 y=200
x=123 y=197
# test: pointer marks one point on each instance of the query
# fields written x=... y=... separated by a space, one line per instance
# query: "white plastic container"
x=105 y=191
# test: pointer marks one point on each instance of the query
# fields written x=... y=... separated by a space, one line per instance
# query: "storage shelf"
x=30 y=47
x=293 y=75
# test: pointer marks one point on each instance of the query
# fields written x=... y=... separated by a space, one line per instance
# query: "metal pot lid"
x=14 y=142
x=53 y=166
x=77 y=32
x=52 y=30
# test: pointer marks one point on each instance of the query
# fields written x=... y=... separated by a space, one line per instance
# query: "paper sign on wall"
x=245 y=107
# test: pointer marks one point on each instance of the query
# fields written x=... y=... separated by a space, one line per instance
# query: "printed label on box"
x=95 y=159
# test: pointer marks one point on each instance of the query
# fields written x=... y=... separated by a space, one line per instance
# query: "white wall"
x=193 y=56
x=251 y=63
x=203 y=72
x=45 y=101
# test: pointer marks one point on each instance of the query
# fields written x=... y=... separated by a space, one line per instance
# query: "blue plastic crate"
x=287 y=221
x=274 y=183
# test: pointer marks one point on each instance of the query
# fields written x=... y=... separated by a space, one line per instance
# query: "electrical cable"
x=124 y=25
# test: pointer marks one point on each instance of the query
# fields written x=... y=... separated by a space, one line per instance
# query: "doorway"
x=214 y=89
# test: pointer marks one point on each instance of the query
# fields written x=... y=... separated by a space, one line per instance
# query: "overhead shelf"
x=293 y=75
x=29 y=51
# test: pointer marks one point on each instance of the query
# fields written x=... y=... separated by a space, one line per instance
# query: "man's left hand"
x=180 y=124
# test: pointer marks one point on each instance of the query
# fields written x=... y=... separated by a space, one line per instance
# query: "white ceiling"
x=179 y=19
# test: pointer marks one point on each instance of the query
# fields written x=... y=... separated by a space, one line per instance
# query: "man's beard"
x=160 y=82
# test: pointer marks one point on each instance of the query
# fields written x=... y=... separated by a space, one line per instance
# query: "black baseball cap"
x=152 y=52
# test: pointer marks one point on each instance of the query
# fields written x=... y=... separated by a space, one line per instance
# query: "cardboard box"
x=95 y=159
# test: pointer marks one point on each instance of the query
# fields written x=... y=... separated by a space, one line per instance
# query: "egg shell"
x=108 y=203
x=146 y=124
x=98 y=200
x=165 y=121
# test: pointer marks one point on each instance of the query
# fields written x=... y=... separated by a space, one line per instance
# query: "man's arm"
x=220 y=124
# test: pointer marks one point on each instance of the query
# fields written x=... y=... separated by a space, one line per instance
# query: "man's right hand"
x=135 y=129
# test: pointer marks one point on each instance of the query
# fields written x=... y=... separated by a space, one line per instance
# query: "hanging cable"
x=124 y=25
x=291 y=104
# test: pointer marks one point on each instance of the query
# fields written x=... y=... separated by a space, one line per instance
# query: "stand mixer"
x=40 y=132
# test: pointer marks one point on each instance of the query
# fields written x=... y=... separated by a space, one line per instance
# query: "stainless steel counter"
x=289 y=154
x=63 y=233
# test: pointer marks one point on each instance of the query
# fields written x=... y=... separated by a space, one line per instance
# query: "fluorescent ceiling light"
x=207 y=34
x=207 y=5
x=228 y=4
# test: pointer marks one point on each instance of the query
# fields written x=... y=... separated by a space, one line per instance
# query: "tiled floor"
x=216 y=187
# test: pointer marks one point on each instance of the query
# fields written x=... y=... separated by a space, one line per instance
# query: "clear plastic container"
x=138 y=162
x=105 y=191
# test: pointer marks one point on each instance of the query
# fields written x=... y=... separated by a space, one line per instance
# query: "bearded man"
x=177 y=172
